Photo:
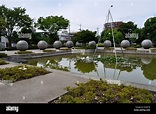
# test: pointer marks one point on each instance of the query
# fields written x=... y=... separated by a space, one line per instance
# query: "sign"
x=132 y=35
x=26 y=35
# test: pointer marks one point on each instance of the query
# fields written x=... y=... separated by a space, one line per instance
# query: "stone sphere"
x=78 y=44
x=146 y=44
x=57 y=44
x=69 y=44
x=125 y=43
x=107 y=43
x=92 y=44
x=42 y=45
x=22 y=45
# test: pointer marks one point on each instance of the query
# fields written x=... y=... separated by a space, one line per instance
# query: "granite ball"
x=69 y=44
x=146 y=44
x=125 y=43
x=57 y=44
x=107 y=43
x=42 y=45
x=22 y=45
x=92 y=44
x=78 y=44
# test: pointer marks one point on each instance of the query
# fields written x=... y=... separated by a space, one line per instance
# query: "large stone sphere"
x=22 y=45
x=57 y=44
x=69 y=44
x=107 y=43
x=92 y=44
x=125 y=43
x=78 y=44
x=146 y=44
x=42 y=45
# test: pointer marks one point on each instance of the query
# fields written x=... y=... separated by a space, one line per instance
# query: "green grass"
x=21 y=72
x=101 y=92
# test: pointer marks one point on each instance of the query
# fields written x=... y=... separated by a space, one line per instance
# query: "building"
x=114 y=25
x=3 y=42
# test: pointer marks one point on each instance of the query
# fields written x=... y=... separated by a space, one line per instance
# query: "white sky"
x=90 y=14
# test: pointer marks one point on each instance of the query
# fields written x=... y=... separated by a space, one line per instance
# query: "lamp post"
x=109 y=14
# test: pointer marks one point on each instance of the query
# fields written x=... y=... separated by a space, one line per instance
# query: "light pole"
x=109 y=14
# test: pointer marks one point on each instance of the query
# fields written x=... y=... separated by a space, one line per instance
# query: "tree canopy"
x=15 y=19
x=85 y=36
x=107 y=35
x=51 y=25
x=149 y=30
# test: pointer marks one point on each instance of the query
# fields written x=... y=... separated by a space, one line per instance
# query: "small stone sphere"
x=78 y=44
x=22 y=45
x=69 y=44
x=57 y=44
x=92 y=44
x=146 y=44
x=107 y=43
x=42 y=45
x=125 y=43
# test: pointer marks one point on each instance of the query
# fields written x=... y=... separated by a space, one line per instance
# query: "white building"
x=3 y=43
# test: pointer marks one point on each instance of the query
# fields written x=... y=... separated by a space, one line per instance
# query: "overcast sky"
x=90 y=14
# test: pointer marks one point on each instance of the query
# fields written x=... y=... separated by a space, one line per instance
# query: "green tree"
x=149 y=30
x=16 y=19
x=128 y=27
x=2 y=25
x=85 y=36
x=107 y=35
x=51 y=25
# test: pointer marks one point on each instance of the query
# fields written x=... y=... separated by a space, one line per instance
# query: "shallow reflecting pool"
x=138 y=69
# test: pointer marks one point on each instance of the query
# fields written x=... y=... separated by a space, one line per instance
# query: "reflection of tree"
x=149 y=70
x=85 y=67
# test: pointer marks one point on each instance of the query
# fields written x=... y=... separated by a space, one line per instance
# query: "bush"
x=23 y=52
x=49 y=51
x=3 y=55
x=101 y=92
x=21 y=72
x=2 y=62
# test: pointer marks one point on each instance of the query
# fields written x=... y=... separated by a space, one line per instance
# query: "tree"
x=2 y=26
x=107 y=35
x=85 y=36
x=51 y=25
x=15 y=19
x=149 y=30
x=128 y=27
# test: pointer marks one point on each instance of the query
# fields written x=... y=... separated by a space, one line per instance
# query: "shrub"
x=49 y=51
x=23 y=52
x=2 y=62
x=21 y=72
x=101 y=92
x=3 y=55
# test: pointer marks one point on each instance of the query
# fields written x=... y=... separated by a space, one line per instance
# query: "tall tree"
x=128 y=27
x=51 y=25
x=107 y=35
x=2 y=26
x=85 y=36
x=15 y=19
x=149 y=30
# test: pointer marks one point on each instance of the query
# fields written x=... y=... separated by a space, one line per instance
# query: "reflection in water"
x=139 y=70
x=146 y=60
x=149 y=70
x=85 y=65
